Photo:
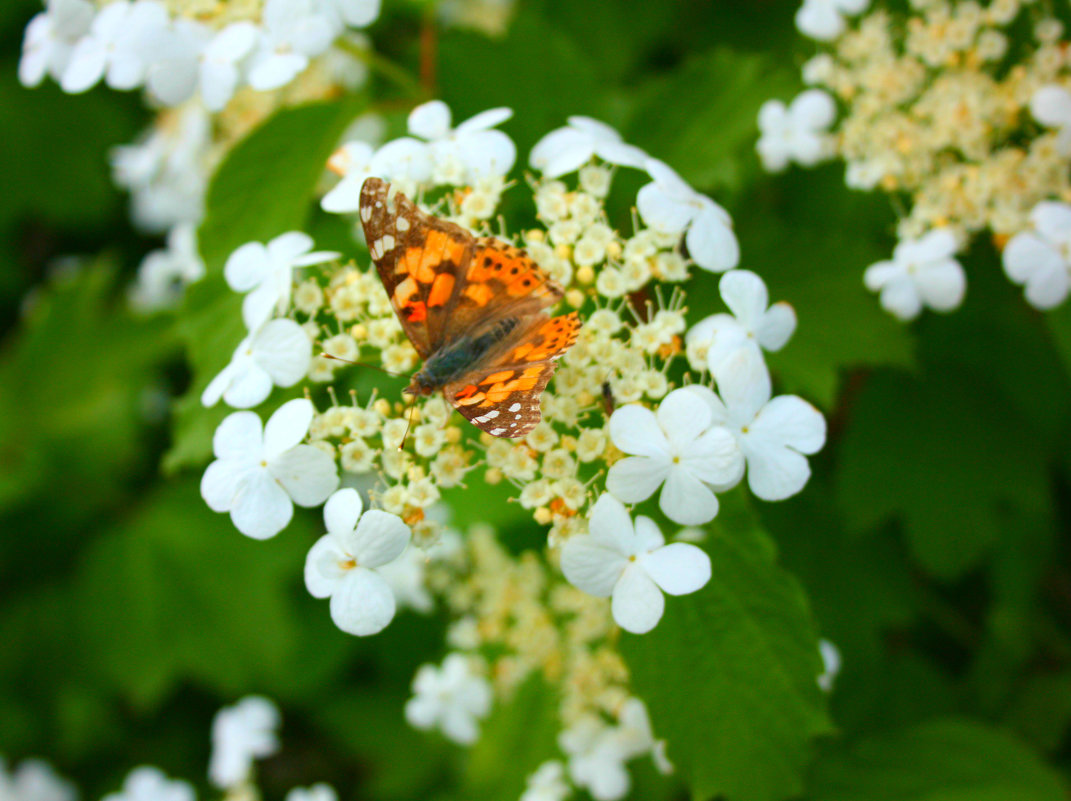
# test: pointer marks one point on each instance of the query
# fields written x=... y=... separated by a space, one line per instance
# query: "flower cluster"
x=213 y=74
x=639 y=406
x=967 y=131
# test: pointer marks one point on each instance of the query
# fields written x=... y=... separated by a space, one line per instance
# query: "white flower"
x=192 y=58
x=570 y=148
x=596 y=758
x=119 y=47
x=240 y=734
x=452 y=698
x=831 y=664
x=547 y=783
x=681 y=447
x=163 y=274
x=405 y=576
x=773 y=435
x=752 y=323
x=1041 y=259
x=343 y=564
x=318 y=792
x=798 y=132
x=276 y=354
x=34 y=780
x=266 y=272
x=294 y=31
x=474 y=145
x=50 y=37
x=259 y=475
x=151 y=784
x=670 y=206
x=824 y=19
x=356 y=13
x=632 y=564
x=403 y=160
x=1051 y=106
x=921 y=273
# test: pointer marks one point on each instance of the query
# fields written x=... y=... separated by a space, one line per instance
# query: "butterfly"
x=474 y=309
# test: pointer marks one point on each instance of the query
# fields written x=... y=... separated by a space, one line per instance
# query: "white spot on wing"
x=386 y=243
x=366 y=213
x=497 y=432
x=402 y=224
x=515 y=407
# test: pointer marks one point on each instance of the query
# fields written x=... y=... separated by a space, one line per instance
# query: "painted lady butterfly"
x=474 y=309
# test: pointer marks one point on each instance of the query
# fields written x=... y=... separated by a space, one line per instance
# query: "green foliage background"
x=931 y=545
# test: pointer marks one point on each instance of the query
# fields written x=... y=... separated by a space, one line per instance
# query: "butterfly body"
x=473 y=307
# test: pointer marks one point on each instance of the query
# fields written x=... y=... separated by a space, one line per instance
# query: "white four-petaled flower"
x=670 y=206
x=678 y=448
x=921 y=273
x=241 y=734
x=260 y=473
x=798 y=132
x=452 y=698
x=119 y=47
x=631 y=564
x=753 y=323
x=775 y=436
x=343 y=563
x=469 y=152
x=824 y=19
x=50 y=37
x=150 y=784
x=1041 y=259
x=567 y=149
x=266 y=272
x=276 y=354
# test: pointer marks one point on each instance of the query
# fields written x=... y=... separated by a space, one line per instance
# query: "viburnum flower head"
x=261 y=472
x=1051 y=106
x=120 y=46
x=452 y=698
x=678 y=448
x=474 y=146
x=798 y=132
x=266 y=272
x=775 y=436
x=50 y=37
x=241 y=734
x=343 y=563
x=670 y=206
x=631 y=564
x=567 y=149
x=34 y=780
x=824 y=19
x=752 y=323
x=277 y=354
x=151 y=784
x=921 y=273
x=1040 y=259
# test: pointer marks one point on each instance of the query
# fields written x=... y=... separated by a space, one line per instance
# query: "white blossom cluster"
x=933 y=114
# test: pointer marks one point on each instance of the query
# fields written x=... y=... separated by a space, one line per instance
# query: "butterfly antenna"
x=409 y=424
x=327 y=355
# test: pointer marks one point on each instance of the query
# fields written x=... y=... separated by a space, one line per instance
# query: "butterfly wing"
x=420 y=259
x=502 y=397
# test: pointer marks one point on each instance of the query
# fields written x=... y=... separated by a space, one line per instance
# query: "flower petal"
x=711 y=242
x=246 y=266
x=635 y=478
x=239 y=437
x=381 y=537
x=430 y=120
x=283 y=350
x=287 y=247
x=591 y=566
x=715 y=458
x=1053 y=220
x=484 y=121
x=1051 y=105
x=287 y=427
x=746 y=296
x=261 y=509
x=743 y=384
x=637 y=603
x=661 y=211
x=249 y=385
x=792 y=421
x=687 y=500
x=774 y=472
x=1027 y=253
x=323 y=567
x=678 y=568
x=221 y=482
x=777 y=326
x=341 y=512
x=634 y=429
x=307 y=474
x=609 y=524
x=682 y=417
x=942 y=284
x=363 y=603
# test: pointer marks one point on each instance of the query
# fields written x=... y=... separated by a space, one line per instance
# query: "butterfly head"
x=422 y=384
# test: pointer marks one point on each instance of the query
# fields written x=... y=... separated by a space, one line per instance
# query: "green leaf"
x=942 y=760
x=520 y=734
x=701 y=118
x=728 y=674
x=264 y=188
x=945 y=456
x=177 y=594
